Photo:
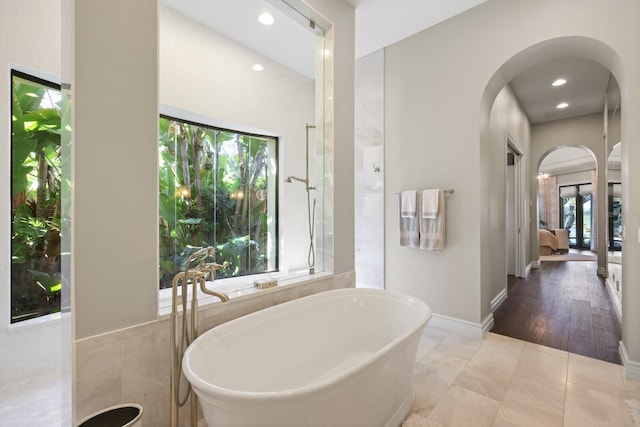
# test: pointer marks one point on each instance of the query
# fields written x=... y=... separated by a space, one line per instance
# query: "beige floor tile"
x=545 y=349
x=596 y=374
x=547 y=369
x=504 y=350
x=435 y=332
x=497 y=338
x=425 y=347
x=586 y=407
x=461 y=346
x=532 y=404
x=417 y=420
x=464 y=408
x=489 y=372
x=631 y=388
x=501 y=422
x=432 y=378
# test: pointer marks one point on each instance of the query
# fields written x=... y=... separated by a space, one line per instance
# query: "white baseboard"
x=613 y=297
x=631 y=368
x=498 y=300
x=487 y=324
x=464 y=327
x=532 y=265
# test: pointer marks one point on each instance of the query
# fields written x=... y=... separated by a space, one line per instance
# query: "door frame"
x=520 y=210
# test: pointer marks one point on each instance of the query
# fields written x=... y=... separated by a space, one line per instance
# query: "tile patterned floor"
x=505 y=382
x=459 y=381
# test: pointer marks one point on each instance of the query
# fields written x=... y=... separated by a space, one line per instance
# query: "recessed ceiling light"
x=562 y=105
x=266 y=18
x=559 y=82
x=257 y=67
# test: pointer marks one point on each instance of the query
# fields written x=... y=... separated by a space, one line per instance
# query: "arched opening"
x=548 y=52
x=567 y=202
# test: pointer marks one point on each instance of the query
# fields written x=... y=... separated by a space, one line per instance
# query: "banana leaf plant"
x=209 y=185
x=35 y=201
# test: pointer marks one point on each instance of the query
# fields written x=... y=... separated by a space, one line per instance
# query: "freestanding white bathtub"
x=337 y=358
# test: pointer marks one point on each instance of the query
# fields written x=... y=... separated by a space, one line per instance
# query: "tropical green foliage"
x=213 y=186
x=35 y=199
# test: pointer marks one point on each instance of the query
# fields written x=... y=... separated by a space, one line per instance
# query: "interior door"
x=512 y=217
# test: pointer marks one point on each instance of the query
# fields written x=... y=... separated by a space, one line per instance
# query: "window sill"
x=237 y=288
x=38 y=322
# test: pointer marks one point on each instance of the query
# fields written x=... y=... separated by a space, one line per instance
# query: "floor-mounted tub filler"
x=337 y=358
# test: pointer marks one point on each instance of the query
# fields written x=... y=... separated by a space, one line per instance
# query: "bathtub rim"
x=210 y=390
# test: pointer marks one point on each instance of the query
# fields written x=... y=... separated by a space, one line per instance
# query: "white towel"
x=432 y=230
x=408 y=204
x=409 y=235
x=430 y=203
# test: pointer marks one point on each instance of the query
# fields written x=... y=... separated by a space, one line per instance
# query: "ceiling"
x=584 y=91
x=287 y=41
x=380 y=23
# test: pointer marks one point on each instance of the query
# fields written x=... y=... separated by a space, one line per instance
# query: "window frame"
x=47 y=82
x=205 y=122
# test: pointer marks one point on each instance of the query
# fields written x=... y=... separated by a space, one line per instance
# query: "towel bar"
x=448 y=191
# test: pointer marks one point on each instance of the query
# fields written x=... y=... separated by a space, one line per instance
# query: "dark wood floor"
x=563 y=305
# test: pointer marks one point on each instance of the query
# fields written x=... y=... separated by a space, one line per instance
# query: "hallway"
x=563 y=305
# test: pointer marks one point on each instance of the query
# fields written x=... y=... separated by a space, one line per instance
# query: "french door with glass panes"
x=576 y=203
x=615 y=217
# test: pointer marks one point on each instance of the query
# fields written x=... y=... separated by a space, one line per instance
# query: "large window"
x=35 y=197
x=217 y=188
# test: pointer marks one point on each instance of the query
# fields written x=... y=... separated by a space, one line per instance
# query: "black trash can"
x=127 y=415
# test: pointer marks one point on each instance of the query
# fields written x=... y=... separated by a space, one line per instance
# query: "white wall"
x=115 y=163
x=204 y=72
x=29 y=41
x=440 y=86
x=429 y=145
x=507 y=119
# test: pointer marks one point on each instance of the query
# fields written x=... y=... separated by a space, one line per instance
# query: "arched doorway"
x=549 y=51
x=567 y=197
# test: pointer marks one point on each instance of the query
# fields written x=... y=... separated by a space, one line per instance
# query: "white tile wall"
x=369 y=170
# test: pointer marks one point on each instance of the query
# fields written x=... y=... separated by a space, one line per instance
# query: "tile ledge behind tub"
x=247 y=292
x=214 y=310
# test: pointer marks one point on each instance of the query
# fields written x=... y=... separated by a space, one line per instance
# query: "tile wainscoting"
x=132 y=365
